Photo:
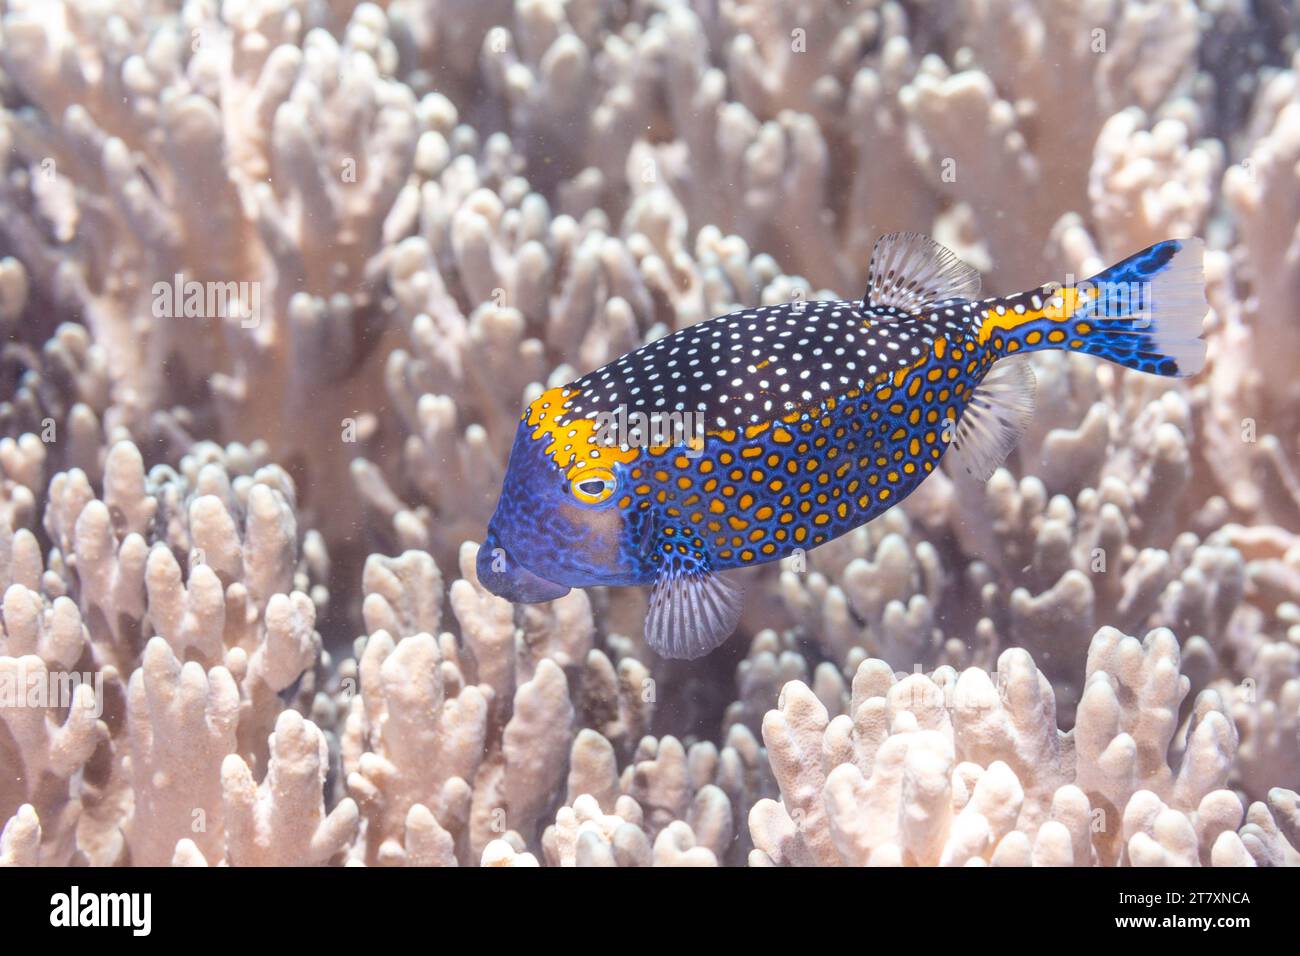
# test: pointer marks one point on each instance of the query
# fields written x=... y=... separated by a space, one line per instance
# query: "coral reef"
x=238 y=525
x=971 y=769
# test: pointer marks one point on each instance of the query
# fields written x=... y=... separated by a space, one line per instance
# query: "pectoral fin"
x=691 y=613
x=998 y=414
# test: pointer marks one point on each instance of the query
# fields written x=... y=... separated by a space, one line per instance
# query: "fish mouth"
x=504 y=576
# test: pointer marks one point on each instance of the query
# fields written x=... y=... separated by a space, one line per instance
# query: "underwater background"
x=278 y=276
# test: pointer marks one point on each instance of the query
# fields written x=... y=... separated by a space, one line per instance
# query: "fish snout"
x=500 y=573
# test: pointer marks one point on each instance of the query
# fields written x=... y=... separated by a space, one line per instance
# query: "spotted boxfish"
x=756 y=435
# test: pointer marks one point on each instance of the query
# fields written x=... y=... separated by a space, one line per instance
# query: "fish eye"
x=593 y=486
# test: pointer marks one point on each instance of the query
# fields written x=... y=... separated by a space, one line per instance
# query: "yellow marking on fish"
x=545 y=415
x=1060 y=305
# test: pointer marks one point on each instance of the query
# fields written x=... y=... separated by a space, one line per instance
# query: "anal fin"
x=691 y=613
x=996 y=417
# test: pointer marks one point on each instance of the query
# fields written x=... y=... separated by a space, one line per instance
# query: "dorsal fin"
x=998 y=414
x=909 y=270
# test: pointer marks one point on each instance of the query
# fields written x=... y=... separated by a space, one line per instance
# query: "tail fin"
x=1143 y=313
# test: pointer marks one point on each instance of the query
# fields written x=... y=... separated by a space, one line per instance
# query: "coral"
x=282 y=820
x=972 y=769
x=155 y=674
x=20 y=842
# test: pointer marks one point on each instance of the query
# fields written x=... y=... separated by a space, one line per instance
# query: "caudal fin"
x=1143 y=313
x=1149 y=310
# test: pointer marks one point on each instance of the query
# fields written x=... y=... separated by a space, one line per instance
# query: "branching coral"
x=184 y=669
x=972 y=769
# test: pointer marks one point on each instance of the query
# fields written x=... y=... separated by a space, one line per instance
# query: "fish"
x=767 y=432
